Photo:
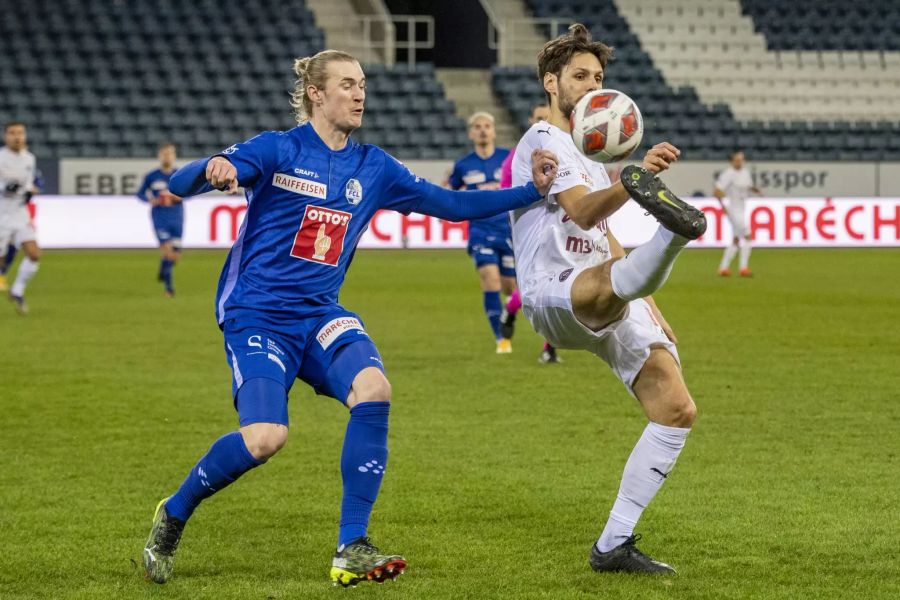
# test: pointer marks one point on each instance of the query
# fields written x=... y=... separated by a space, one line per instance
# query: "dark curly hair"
x=557 y=53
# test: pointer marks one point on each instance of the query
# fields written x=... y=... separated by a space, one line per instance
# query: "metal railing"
x=380 y=36
x=514 y=38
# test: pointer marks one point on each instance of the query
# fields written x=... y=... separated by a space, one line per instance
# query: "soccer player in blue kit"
x=311 y=192
x=167 y=213
x=490 y=239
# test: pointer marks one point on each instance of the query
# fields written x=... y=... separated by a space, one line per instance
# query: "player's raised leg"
x=646 y=268
x=668 y=405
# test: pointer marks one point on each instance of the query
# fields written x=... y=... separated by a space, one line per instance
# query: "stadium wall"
x=213 y=221
x=783 y=179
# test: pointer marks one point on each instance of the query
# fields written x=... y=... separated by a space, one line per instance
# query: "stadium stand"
x=705 y=79
x=94 y=78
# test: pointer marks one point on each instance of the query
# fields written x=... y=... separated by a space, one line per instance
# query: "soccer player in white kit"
x=17 y=170
x=580 y=291
x=736 y=184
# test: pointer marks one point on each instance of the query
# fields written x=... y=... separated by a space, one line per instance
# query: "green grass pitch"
x=502 y=470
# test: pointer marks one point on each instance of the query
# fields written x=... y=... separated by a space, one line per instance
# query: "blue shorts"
x=168 y=223
x=493 y=250
x=168 y=232
x=326 y=350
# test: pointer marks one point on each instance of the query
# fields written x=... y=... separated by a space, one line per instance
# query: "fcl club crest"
x=353 y=192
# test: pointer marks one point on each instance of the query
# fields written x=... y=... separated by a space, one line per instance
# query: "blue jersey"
x=154 y=185
x=472 y=172
x=307 y=208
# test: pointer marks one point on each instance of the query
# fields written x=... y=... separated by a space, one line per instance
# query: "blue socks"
x=226 y=460
x=363 y=460
x=165 y=273
x=493 y=308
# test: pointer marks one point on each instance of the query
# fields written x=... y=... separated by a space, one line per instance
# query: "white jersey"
x=546 y=241
x=736 y=183
x=17 y=171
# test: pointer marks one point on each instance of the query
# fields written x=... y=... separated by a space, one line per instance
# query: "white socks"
x=730 y=252
x=646 y=268
x=26 y=271
x=650 y=463
x=745 y=253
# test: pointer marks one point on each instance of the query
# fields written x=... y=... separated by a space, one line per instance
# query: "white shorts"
x=15 y=230
x=738 y=221
x=625 y=345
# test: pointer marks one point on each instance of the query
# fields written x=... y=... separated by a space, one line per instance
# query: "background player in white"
x=17 y=171
x=580 y=291
x=736 y=184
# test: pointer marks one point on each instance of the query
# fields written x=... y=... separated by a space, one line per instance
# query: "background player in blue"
x=167 y=213
x=311 y=192
x=490 y=242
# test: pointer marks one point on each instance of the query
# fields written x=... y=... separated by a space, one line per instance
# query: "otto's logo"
x=334 y=328
x=353 y=192
x=320 y=238
x=300 y=186
x=565 y=274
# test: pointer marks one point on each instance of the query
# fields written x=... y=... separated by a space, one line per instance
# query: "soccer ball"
x=606 y=126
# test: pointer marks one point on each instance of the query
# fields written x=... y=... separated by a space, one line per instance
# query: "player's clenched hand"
x=543 y=170
x=660 y=156
x=221 y=174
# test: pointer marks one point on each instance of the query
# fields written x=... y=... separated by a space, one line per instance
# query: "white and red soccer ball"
x=606 y=126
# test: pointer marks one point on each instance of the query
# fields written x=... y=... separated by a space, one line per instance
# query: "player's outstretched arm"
x=587 y=209
x=190 y=180
x=204 y=175
x=478 y=204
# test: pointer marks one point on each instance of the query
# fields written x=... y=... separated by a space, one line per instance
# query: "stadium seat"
x=94 y=58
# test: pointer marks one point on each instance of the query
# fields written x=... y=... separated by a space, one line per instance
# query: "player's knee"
x=370 y=386
x=375 y=392
x=684 y=412
x=490 y=278
x=264 y=440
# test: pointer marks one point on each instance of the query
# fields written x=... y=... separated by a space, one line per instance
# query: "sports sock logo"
x=372 y=466
x=664 y=475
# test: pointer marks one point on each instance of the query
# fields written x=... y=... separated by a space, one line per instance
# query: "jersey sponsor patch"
x=334 y=328
x=320 y=238
x=299 y=185
x=474 y=177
